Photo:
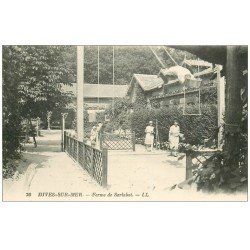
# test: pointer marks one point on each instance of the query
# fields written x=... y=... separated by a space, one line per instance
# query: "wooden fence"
x=93 y=160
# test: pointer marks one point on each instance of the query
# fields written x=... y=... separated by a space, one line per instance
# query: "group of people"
x=174 y=137
x=95 y=134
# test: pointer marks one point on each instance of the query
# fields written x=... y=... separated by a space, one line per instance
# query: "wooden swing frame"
x=98 y=77
x=199 y=102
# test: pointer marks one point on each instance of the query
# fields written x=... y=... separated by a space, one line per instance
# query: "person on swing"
x=174 y=134
x=149 y=139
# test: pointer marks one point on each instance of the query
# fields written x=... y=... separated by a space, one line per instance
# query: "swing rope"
x=98 y=75
x=113 y=102
x=98 y=78
x=184 y=92
x=157 y=57
x=170 y=56
x=184 y=60
x=157 y=134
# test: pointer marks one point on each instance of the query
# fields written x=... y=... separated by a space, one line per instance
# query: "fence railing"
x=118 y=141
x=93 y=160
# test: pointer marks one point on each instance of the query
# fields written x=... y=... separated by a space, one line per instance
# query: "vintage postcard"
x=125 y=123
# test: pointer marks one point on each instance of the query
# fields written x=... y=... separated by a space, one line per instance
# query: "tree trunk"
x=233 y=110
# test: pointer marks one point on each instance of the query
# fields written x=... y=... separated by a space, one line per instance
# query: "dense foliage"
x=128 y=60
x=213 y=173
x=31 y=77
x=204 y=125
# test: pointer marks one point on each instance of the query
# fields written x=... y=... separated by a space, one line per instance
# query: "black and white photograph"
x=125 y=122
x=124 y=125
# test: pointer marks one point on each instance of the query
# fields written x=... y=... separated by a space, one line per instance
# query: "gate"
x=113 y=141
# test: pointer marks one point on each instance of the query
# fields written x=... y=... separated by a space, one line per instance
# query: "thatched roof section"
x=148 y=82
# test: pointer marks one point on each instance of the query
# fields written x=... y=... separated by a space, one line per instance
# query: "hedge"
x=195 y=128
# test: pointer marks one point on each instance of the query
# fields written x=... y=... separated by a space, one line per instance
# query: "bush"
x=194 y=128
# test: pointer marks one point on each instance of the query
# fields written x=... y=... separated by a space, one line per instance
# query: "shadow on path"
x=44 y=145
x=47 y=146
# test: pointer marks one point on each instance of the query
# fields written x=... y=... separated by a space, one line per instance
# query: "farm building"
x=166 y=88
x=97 y=97
x=151 y=85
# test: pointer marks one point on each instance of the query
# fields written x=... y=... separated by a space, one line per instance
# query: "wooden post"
x=92 y=161
x=133 y=140
x=62 y=133
x=80 y=102
x=189 y=173
x=65 y=141
x=105 y=167
x=83 y=154
x=70 y=146
x=77 y=150
x=220 y=105
x=64 y=115
x=233 y=108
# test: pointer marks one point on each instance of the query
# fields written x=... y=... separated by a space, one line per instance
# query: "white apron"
x=149 y=139
x=174 y=133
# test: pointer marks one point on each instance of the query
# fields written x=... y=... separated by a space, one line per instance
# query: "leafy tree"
x=119 y=114
x=31 y=77
x=43 y=69
x=129 y=60
x=12 y=74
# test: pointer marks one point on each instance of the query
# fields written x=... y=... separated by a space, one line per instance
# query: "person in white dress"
x=98 y=134
x=149 y=138
x=174 y=134
x=93 y=135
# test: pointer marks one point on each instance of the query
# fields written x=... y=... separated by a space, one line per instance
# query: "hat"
x=150 y=122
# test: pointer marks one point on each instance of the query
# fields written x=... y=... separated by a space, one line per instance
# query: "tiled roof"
x=149 y=82
x=91 y=90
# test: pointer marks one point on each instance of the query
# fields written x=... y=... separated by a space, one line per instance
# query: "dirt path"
x=49 y=172
x=144 y=171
